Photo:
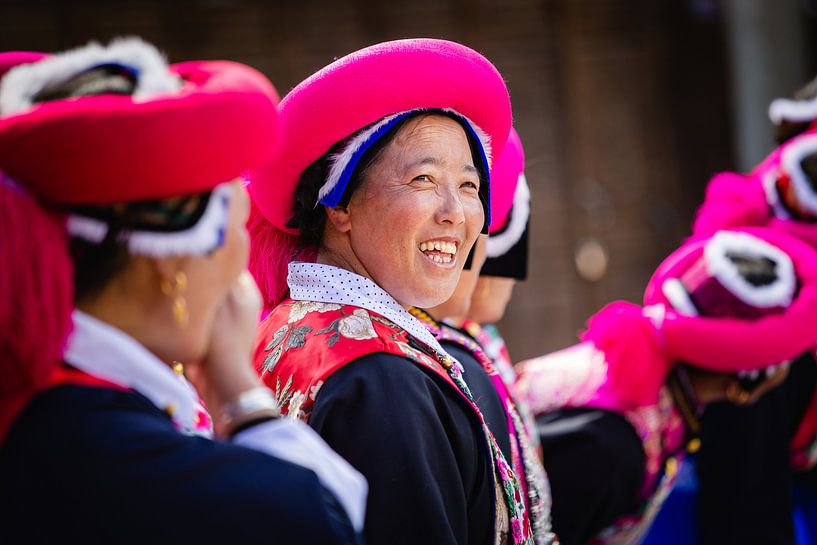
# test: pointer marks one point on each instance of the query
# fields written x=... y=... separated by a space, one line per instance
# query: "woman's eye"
x=471 y=185
x=421 y=178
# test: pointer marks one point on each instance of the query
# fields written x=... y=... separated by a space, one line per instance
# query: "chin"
x=425 y=300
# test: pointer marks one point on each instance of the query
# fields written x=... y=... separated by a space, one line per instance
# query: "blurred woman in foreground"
x=142 y=157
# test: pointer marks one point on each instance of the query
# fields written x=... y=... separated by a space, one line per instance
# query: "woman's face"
x=417 y=213
x=210 y=277
x=490 y=299
x=458 y=304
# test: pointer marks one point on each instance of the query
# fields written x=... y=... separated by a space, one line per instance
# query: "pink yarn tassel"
x=271 y=252
x=636 y=364
x=36 y=292
x=732 y=200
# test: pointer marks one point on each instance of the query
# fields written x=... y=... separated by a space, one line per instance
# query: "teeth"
x=439 y=246
x=441 y=258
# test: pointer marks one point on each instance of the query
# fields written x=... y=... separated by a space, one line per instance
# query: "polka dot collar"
x=329 y=284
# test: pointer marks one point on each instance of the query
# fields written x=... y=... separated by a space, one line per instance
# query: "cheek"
x=474 y=216
x=389 y=227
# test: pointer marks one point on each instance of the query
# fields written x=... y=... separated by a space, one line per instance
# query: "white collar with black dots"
x=329 y=284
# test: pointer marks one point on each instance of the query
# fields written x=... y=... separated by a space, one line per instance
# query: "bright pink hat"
x=10 y=59
x=507 y=245
x=734 y=200
x=508 y=166
x=185 y=130
x=785 y=323
x=628 y=350
x=366 y=87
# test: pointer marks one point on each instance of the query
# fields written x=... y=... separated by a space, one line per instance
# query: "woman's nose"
x=451 y=209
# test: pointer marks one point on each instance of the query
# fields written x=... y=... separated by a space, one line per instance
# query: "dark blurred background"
x=625 y=107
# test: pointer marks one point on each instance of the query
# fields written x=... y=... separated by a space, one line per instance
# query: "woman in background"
x=722 y=318
x=491 y=382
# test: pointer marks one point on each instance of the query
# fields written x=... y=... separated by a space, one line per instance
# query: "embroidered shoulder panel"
x=301 y=343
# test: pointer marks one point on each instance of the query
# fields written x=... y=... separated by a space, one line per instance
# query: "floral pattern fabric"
x=303 y=342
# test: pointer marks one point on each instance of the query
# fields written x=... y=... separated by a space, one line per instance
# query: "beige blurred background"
x=625 y=107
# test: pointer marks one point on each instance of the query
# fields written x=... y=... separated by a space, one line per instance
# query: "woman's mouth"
x=441 y=252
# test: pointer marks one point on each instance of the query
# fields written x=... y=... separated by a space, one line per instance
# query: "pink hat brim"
x=729 y=344
x=105 y=149
x=362 y=88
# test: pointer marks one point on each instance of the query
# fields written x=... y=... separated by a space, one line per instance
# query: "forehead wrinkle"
x=416 y=145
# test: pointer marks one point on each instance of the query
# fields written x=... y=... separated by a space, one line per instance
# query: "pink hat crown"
x=508 y=167
x=364 y=87
x=778 y=193
x=507 y=245
x=185 y=128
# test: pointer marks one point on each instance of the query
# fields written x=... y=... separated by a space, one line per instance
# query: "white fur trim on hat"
x=22 y=83
x=778 y=293
x=772 y=197
x=341 y=159
x=786 y=109
x=501 y=243
x=678 y=297
x=205 y=236
x=790 y=160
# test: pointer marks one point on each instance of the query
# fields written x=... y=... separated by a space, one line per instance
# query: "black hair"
x=96 y=264
x=757 y=270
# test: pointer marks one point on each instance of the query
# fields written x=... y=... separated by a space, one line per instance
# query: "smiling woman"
x=425 y=182
x=371 y=206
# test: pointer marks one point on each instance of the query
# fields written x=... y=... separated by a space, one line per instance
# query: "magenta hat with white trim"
x=187 y=127
x=371 y=89
x=507 y=245
x=719 y=318
x=133 y=128
x=699 y=319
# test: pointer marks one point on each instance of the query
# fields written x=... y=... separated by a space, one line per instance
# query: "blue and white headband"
x=206 y=235
x=346 y=161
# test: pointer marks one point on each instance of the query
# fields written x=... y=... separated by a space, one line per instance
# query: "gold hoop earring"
x=176 y=291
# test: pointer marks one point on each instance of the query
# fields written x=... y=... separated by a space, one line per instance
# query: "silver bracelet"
x=251 y=404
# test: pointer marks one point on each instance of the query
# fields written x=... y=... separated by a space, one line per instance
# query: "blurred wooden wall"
x=621 y=105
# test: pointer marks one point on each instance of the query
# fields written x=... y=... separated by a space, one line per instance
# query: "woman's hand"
x=226 y=371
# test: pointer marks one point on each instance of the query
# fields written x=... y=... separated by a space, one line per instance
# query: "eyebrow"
x=471 y=169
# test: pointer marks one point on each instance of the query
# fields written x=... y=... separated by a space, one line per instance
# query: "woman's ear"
x=339 y=218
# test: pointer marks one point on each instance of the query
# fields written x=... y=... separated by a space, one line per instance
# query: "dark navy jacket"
x=96 y=465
